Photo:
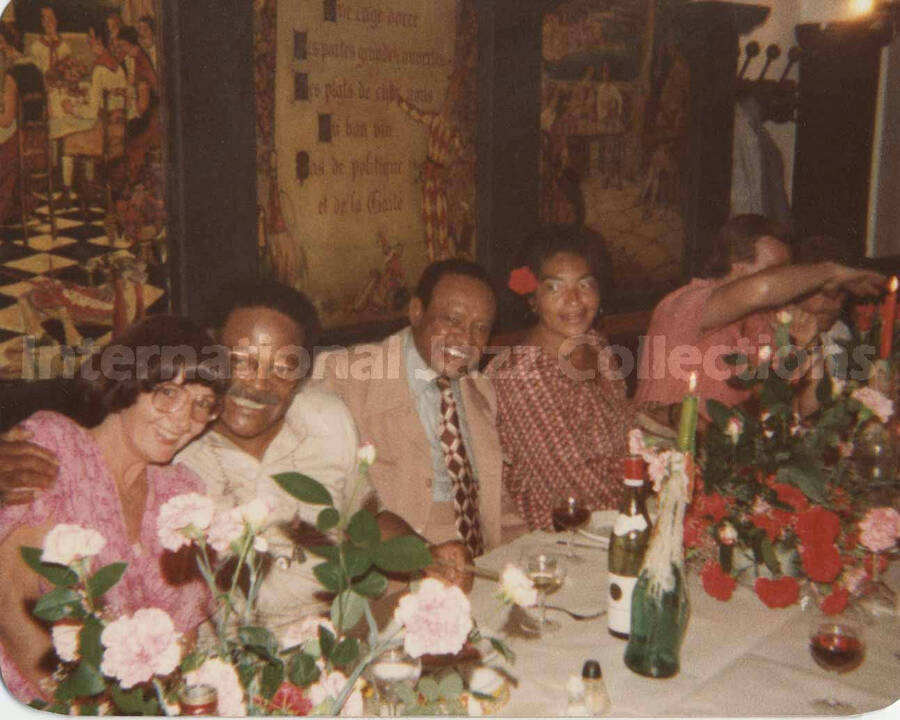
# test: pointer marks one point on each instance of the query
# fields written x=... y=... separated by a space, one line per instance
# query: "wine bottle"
x=627 y=545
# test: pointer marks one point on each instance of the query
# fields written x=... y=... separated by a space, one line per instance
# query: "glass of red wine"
x=569 y=513
x=836 y=644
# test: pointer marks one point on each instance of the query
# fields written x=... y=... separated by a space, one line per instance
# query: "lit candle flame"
x=892 y=285
x=692 y=382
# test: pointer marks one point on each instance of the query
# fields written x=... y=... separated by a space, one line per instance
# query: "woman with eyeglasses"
x=150 y=393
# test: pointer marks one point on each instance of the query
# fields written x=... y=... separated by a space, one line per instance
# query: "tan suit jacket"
x=371 y=380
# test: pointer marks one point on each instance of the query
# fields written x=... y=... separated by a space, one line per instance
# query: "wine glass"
x=836 y=644
x=391 y=669
x=569 y=513
x=547 y=571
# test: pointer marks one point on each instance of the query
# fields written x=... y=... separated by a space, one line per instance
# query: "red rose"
x=694 y=531
x=522 y=281
x=818 y=526
x=822 y=563
x=777 y=593
x=716 y=581
x=791 y=495
x=773 y=523
x=836 y=601
x=289 y=699
x=714 y=505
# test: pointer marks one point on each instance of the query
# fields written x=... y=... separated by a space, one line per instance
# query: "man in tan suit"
x=392 y=390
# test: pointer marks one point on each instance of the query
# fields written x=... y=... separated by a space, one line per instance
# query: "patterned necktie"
x=465 y=490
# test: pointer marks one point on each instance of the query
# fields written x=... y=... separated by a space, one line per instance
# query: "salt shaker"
x=596 y=699
x=575 y=706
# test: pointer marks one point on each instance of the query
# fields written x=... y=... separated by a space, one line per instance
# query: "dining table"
x=738 y=658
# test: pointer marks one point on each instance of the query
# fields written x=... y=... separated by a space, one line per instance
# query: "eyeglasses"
x=170 y=397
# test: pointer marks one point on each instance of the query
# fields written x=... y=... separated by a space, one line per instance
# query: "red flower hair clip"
x=522 y=281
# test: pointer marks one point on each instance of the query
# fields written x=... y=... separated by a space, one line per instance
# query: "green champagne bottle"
x=627 y=546
x=657 y=627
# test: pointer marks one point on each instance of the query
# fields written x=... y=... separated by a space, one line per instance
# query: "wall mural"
x=614 y=111
x=366 y=117
x=82 y=218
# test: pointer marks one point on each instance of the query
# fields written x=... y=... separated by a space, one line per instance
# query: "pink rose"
x=182 y=519
x=878 y=530
x=304 y=630
x=437 y=617
x=877 y=403
x=65 y=640
x=224 y=678
x=65 y=544
x=329 y=686
x=140 y=646
x=226 y=528
x=854 y=578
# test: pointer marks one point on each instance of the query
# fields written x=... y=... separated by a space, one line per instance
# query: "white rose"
x=765 y=353
x=260 y=544
x=876 y=402
x=256 y=512
x=366 y=454
x=182 y=519
x=65 y=544
x=734 y=428
x=65 y=640
x=517 y=588
x=784 y=317
x=727 y=533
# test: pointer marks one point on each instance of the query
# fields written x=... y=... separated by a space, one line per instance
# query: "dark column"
x=839 y=72
x=210 y=125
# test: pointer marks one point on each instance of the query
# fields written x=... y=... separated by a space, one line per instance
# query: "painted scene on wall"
x=366 y=115
x=614 y=111
x=82 y=218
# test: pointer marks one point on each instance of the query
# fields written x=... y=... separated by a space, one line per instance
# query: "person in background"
x=692 y=327
x=21 y=76
x=418 y=398
x=562 y=412
x=49 y=48
x=146 y=27
x=144 y=132
x=114 y=477
x=106 y=74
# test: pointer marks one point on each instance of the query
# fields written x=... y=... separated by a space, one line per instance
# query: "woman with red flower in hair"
x=561 y=407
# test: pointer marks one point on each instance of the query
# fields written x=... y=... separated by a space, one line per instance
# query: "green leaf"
x=327 y=519
x=326 y=641
x=331 y=576
x=133 y=702
x=259 y=639
x=775 y=391
x=372 y=585
x=59 y=575
x=769 y=557
x=347 y=609
x=809 y=479
x=823 y=389
x=58 y=603
x=429 y=688
x=363 y=529
x=105 y=578
x=346 y=652
x=329 y=552
x=85 y=681
x=271 y=678
x=503 y=649
x=402 y=554
x=304 y=488
x=451 y=685
x=407 y=696
x=726 y=553
x=302 y=670
x=357 y=560
x=89 y=645
x=192 y=661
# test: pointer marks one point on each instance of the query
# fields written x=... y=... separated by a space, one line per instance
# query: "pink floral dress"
x=85 y=494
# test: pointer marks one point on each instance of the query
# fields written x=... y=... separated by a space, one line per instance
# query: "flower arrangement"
x=139 y=663
x=784 y=500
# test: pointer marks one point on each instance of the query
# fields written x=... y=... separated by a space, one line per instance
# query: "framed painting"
x=83 y=246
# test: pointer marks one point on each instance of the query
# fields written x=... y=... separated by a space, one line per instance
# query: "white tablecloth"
x=739 y=657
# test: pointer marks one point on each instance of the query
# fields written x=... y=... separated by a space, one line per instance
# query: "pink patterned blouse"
x=85 y=494
x=559 y=430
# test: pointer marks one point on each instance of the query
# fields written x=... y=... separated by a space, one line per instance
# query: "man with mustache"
x=418 y=398
x=272 y=422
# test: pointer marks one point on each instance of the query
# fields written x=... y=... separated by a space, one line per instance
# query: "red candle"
x=888 y=312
